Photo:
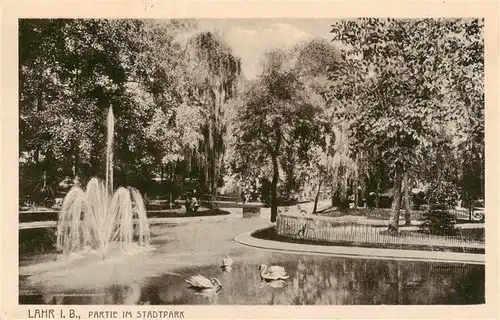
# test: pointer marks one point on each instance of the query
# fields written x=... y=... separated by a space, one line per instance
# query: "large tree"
x=401 y=72
x=159 y=88
x=214 y=72
x=276 y=116
x=69 y=75
x=316 y=61
x=72 y=71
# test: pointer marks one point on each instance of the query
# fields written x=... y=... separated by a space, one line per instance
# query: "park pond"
x=182 y=251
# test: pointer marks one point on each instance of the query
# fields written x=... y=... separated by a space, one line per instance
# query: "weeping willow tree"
x=344 y=168
x=349 y=171
x=215 y=75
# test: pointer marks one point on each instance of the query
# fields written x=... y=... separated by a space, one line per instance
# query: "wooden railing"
x=337 y=230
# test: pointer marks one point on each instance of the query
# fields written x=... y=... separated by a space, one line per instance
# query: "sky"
x=251 y=38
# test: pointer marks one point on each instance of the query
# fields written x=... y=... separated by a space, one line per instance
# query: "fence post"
x=351 y=236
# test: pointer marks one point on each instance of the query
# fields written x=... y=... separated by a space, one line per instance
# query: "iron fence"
x=328 y=229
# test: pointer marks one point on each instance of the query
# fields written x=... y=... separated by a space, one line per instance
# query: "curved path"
x=152 y=221
x=359 y=252
x=233 y=208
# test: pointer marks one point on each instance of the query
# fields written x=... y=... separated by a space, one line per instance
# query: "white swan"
x=227 y=263
x=272 y=272
x=204 y=285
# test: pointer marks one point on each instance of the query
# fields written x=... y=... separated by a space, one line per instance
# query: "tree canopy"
x=387 y=103
x=409 y=77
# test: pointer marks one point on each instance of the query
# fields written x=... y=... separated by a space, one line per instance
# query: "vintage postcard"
x=171 y=160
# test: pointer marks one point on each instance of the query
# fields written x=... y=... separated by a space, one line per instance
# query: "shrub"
x=443 y=193
x=438 y=221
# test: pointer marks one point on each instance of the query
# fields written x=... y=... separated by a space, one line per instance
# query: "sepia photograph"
x=252 y=161
x=165 y=161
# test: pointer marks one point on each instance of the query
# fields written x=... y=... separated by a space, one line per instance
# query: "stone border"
x=359 y=252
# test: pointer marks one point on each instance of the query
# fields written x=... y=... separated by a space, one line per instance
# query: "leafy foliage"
x=438 y=221
x=282 y=120
x=407 y=80
x=387 y=100
x=69 y=74
x=72 y=71
x=214 y=75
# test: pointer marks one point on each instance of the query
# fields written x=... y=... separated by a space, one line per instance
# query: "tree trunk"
x=171 y=170
x=396 y=202
x=332 y=196
x=356 y=196
x=274 y=188
x=317 y=196
x=37 y=156
x=211 y=154
x=406 y=198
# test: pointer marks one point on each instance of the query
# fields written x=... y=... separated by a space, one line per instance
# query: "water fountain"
x=98 y=219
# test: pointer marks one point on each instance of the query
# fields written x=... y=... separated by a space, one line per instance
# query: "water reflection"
x=274 y=283
x=334 y=281
x=315 y=280
x=124 y=295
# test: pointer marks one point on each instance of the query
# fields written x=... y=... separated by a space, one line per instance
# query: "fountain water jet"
x=109 y=151
x=96 y=218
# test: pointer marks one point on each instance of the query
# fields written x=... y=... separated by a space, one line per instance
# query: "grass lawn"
x=384 y=213
x=469 y=234
x=369 y=213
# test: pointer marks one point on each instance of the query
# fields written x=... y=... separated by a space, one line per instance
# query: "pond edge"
x=358 y=252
